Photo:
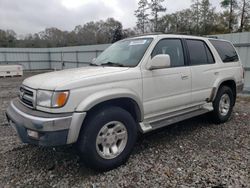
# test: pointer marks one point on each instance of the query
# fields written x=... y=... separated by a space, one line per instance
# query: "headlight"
x=52 y=99
x=43 y=98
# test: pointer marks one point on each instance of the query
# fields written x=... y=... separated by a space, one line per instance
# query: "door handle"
x=184 y=77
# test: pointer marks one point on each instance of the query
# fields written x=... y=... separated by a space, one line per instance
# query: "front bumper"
x=52 y=129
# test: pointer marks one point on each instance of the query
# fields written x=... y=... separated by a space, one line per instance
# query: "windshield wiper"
x=112 y=64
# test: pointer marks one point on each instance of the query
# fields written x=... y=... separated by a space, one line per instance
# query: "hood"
x=53 y=80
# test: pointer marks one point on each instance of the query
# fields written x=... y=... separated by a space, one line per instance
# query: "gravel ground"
x=193 y=153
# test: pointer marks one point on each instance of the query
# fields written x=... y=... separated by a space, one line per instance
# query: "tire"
x=223 y=105
x=107 y=123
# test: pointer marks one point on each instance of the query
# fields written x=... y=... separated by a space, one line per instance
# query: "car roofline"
x=156 y=35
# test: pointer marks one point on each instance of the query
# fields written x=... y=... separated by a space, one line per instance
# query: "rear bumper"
x=52 y=129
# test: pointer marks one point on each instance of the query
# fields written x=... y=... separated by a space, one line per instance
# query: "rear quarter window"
x=225 y=50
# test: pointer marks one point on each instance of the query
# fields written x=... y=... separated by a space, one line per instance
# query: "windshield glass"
x=125 y=53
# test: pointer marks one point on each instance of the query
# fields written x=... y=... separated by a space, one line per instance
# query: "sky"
x=31 y=16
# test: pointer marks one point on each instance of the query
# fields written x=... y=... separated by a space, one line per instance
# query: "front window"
x=172 y=47
x=125 y=53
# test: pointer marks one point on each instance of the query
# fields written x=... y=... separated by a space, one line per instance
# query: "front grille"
x=27 y=96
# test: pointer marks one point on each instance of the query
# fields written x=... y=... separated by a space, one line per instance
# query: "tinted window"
x=172 y=47
x=225 y=50
x=210 y=57
x=199 y=53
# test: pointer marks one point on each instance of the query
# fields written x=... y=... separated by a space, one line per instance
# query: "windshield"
x=125 y=53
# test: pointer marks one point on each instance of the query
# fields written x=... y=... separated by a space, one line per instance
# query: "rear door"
x=204 y=70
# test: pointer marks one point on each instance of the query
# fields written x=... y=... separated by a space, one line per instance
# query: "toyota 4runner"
x=136 y=85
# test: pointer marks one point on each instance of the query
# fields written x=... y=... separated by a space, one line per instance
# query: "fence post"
x=77 y=59
x=62 y=60
x=5 y=57
x=50 y=63
x=96 y=53
x=29 y=63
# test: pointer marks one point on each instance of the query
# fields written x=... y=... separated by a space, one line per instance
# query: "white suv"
x=137 y=85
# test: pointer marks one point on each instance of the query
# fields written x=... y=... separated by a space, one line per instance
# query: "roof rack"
x=212 y=37
x=145 y=34
x=177 y=33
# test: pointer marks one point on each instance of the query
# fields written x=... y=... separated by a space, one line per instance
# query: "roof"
x=154 y=35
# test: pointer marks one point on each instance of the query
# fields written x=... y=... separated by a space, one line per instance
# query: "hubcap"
x=111 y=140
x=224 y=105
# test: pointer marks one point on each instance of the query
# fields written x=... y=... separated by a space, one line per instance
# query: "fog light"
x=33 y=134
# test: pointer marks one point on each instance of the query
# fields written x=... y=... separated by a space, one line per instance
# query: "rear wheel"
x=223 y=105
x=107 y=138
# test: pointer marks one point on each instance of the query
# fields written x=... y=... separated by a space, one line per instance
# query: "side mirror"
x=160 y=61
x=93 y=60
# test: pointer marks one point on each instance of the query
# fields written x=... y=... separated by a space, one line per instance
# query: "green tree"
x=99 y=32
x=230 y=6
x=118 y=35
x=195 y=7
x=156 y=7
x=184 y=20
x=199 y=19
x=7 y=38
x=142 y=15
x=244 y=7
x=54 y=37
x=110 y=27
x=167 y=24
x=207 y=17
x=128 y=33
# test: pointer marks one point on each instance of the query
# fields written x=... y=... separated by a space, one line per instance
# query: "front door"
x=169 y=89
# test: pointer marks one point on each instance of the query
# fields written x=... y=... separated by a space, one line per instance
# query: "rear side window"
x=199 y=53
x=225 y=50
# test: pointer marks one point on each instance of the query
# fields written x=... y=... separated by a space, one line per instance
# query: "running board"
x=147 y=127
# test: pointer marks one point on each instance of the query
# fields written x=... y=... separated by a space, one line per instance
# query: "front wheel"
x=223 y=105
x=107 y=138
